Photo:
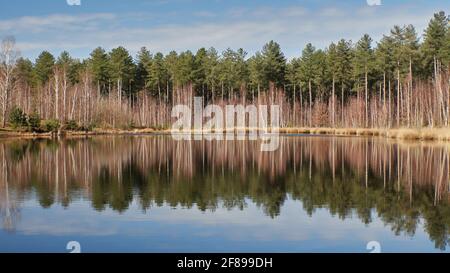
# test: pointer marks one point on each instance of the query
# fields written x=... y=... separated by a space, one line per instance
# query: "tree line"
x=399 y=81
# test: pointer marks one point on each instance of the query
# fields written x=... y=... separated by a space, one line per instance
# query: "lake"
x=155 y=194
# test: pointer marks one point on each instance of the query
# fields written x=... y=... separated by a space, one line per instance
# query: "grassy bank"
x=6 y=133
x=430 y=134
x=441 y=134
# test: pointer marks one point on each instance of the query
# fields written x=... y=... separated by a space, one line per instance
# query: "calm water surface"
x=154 y=194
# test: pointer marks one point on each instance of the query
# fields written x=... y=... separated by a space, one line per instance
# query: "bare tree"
x=8 y=61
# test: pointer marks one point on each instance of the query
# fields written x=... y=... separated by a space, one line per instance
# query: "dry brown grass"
x=435 y=134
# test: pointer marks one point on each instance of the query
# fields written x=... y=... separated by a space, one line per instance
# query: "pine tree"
x=144 y=61
x=157 y=75
x=256 y=72
x=434 y=41
x=43 y=68
x=199 y=73
x=306 y=74
x=99 y=67
x=170 y=64
x=292 y=80
x=274 y=63
x=185 y=68
x=332 y=66
x=212 y=70
x=319 y=72
x=385 y=65
x=344 y=69
x=121 y=70
x=363 y=64
x=62 y=67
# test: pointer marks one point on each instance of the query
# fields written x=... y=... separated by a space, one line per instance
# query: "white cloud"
x=54 y=21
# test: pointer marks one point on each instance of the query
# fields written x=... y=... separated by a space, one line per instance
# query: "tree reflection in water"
x=403 y=183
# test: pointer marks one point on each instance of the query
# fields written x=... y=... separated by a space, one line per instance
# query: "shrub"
x=17 y=118
x=72 y=125
x=51 y=125
x=34 y=122
x=87 y=127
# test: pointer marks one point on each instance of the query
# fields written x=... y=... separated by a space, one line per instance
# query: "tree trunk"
x=367 y=98
x=398 y=95
x=332 y=103
x=342 y=104
x=310 y=104
x=56 y=95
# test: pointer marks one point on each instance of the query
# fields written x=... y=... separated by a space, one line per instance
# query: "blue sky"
x=165 y=25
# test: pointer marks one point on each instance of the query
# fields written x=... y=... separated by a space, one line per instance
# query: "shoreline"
x=423 y=134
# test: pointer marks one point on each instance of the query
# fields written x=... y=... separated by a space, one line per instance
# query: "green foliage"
x=121 y=68
x=363 y=60
x=25 y=71
x=211 y=69
x=144 y=61
x=384 y=54
x=43 y=68
x=256 y=69
x=183 y=70
x=87 y=127
x=405 y=47
x=434 y=45
x=34 y=122
x=312 y=67
x=71 y=125
x=99 y=66
x=157 y=73
x=233 y=71
x=200 y=61
x=51 y=125
x=274 y=63
x=17 y=118
x=71 y=67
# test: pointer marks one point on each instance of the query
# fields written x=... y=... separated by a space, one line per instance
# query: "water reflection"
x=401 y=184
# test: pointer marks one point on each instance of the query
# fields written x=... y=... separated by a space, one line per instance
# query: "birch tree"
x=8 y=61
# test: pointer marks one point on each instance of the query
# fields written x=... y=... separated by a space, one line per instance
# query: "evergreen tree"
x=306 y=73
x=274 y=63
x=363 y=63
x=24 y=71
x=185 y=68
x=170 y=63
x=43 y=68
x=99 y=67
x=435 y=40
x=332 y=66
x=212 y=70
x=122 y=70
x=157 y=75
x=199 y=73
x=344 y=59
x=319 y=72
x=256 y=70
x=144 y=62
